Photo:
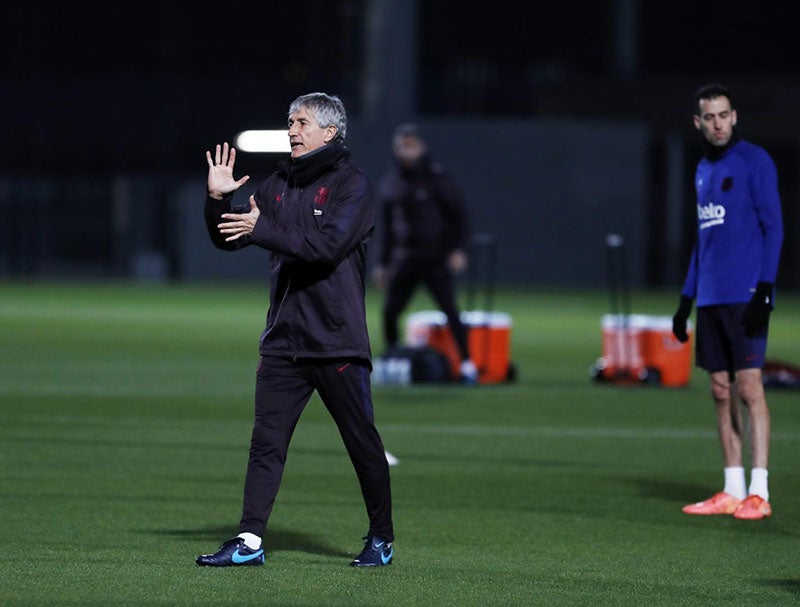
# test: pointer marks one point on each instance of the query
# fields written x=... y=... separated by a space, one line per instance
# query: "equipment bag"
x=409 y=364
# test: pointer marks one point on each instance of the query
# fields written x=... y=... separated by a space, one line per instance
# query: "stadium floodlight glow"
x=274 y=141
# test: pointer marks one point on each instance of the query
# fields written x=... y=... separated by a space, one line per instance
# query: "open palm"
x=220 y=171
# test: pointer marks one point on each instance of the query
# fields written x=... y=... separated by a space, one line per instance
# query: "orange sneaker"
x=753 y=507
x=719 y=503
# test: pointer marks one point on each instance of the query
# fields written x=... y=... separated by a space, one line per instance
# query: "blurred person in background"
x=424 y=239
x=314 y=215
x=731 y=276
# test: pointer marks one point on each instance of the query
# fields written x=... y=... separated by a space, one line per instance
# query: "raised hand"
x=220 y=172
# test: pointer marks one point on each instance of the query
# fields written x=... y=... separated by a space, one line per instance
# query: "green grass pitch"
x=125 y=413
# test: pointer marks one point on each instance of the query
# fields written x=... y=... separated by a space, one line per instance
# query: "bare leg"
x=729 y=418
x=730 y=430
x=750 y=389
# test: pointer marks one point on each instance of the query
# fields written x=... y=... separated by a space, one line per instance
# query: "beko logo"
x=710 y=215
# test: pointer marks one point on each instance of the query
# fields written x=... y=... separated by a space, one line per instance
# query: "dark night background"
x=98 y=91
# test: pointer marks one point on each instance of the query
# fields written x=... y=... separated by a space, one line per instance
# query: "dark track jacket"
x=317 y=215
x=423 y=215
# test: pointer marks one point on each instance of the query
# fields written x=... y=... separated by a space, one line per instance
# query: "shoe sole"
x=726 y=511
x=255 y=563
x=755 y=516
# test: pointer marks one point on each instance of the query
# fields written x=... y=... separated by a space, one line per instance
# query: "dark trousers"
x=283 y=388
x=437 y=278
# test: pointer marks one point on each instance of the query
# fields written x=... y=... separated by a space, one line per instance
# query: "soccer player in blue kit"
x=731 y=276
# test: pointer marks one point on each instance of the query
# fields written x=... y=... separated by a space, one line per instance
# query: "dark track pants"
x=438 y=279
x=283 y=388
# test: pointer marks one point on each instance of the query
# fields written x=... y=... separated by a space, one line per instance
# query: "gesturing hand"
x=240 y=224
x=220 y=172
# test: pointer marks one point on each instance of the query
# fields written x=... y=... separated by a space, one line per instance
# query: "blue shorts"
x=720 y=341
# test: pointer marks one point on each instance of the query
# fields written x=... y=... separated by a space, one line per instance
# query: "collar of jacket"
x=308 y=167
x=714 y=153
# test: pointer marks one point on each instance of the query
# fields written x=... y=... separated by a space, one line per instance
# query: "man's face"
x=408 y=149
x=305 y=134
x=716 y=120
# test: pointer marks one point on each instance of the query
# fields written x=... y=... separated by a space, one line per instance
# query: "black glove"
x=680 y=318
x=756 y=314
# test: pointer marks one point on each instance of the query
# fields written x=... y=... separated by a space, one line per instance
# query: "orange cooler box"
x=488 y=337
x=639 y=344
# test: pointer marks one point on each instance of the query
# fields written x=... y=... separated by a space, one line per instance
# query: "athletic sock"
x=758 y=483
x=251 y=540
x=735 y=483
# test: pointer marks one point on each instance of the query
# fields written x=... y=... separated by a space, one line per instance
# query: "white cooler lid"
x=427 y=318
x=639 y=321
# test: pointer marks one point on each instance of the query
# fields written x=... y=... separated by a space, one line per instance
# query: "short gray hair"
x=328 y=110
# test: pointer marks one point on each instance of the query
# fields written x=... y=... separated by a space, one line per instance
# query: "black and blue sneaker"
x=232 y=553
x=376 y=553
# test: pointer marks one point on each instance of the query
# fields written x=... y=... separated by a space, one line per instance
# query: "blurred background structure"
x=562 y=121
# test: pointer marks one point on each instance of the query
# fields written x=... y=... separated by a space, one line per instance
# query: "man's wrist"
x=685 y=306
x=216 y=195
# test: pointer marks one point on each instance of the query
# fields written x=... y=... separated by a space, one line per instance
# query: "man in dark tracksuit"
x=315 y=215
x=425 y=235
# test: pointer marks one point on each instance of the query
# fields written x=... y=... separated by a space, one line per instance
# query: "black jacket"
x=317 y=215
x=423 y=215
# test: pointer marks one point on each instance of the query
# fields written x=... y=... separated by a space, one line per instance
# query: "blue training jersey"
x=739 y=226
